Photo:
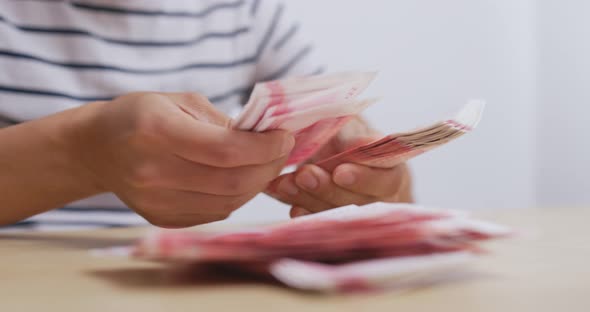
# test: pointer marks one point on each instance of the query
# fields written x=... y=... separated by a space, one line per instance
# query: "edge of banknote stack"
x=352 y=248
x=315 y=108
x=381 y=245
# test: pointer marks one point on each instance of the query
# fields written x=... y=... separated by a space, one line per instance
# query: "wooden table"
x=546 y=269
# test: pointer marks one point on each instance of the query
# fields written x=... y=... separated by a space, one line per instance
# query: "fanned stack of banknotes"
x=316 y=108
x=381 y=245
x=348 y=248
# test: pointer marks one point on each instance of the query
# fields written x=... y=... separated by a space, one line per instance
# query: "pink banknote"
x=336 y=249
x=394 y=149
x=313 y=108
x=316 y=108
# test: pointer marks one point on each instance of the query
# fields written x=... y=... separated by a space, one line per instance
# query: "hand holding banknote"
x=173 y=159
x=313 y=189
x=349 y=248
x=345 y=162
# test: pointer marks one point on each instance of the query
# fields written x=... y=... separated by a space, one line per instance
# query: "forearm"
x=37 y=169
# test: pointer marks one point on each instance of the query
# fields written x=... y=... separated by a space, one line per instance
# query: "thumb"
x=356 y=133
x=199 y=107
x=352 y=142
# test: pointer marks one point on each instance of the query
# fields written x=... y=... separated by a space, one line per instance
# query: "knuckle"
x=195 y=98
x=149 y=121
x=146 y=174
x=149 y=97
x=147 y=125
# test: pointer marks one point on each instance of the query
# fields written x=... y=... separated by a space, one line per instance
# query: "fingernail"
x=344 y=177
x=288 y=144
x=307 y=180
x=288 y=187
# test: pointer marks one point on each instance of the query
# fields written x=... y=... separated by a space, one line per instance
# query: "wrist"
x=71 y=138
x=40 y=170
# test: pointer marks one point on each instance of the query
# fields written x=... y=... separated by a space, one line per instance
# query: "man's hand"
x=312 y=189
x=172 y=157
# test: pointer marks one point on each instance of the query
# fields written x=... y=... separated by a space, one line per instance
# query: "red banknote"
x=315 y=108
x=370 y=246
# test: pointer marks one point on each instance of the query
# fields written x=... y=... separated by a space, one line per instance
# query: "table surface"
x=546 y=268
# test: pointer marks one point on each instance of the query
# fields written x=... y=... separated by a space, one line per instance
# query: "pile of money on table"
x=347 y=248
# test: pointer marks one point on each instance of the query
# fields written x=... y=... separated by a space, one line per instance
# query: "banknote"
x=399 y=273
x=313 y=108
x=316 y=108
x=371 y=246
x=394 y=149
x=296 y=94
x=348 y=248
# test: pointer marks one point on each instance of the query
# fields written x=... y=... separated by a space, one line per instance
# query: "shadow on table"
x=69 y=241
x=201 y=277
x=181 y=277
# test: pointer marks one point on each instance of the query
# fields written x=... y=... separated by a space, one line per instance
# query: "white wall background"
x=563 y=175
x=526 y=58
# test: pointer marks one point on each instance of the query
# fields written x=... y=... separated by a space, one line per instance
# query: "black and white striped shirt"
x=59 y=54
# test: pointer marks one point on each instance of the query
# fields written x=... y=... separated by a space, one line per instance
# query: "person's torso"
x=59 y=54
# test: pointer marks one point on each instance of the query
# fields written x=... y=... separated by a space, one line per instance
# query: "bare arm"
x=37 y=171
x=170 y=157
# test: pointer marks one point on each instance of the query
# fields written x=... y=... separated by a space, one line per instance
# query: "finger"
x=382 y=183
x=221 y=147
x=357 y=132
x=181 y=174
x=318 y=183
x=172 y=209
x=356 y=141
x=284 y=189
x=298 y=212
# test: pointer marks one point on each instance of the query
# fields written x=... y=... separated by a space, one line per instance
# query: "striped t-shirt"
x=59 y=54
